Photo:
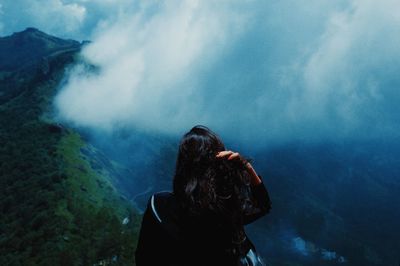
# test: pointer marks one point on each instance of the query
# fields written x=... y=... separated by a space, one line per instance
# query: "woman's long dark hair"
x=204 y=183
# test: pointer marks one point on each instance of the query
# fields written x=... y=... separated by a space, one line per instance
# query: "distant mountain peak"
x=30 y=45
x=40 y=35
x=30 y=29
x=30 y=32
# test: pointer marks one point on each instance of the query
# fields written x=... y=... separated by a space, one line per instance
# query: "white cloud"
x=54 y=15
x=74 y=19
x=285 y=72
x=1 y=20
x=148 y=66
x=346 y=73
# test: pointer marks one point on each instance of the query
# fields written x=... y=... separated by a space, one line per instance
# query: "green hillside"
x=57 y=200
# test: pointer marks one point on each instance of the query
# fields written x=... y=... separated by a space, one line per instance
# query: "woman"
x=215 y=193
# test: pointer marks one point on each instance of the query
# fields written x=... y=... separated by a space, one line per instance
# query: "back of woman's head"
x=203 y=182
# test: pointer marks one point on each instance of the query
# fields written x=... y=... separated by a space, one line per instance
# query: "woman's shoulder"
x=165 y=194
x=167 y=213
x=162 y=205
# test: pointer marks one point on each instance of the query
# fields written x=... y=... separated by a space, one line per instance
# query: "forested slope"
x=57 y=199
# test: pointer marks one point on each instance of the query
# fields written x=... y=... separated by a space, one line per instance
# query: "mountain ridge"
x=58 y=203
x=28 y=47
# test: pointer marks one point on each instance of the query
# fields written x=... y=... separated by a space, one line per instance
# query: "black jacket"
x=170 y=237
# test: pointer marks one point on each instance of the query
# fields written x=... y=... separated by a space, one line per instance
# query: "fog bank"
x=258 y=71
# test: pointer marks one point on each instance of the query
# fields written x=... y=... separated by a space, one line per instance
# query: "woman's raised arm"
x=260 y=195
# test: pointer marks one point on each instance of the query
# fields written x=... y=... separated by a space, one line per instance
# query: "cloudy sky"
x=258 y=70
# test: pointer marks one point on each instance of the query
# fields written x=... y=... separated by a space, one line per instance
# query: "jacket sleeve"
x=261 y=201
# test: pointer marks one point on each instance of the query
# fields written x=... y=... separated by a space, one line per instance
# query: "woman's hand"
x=230 y=155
